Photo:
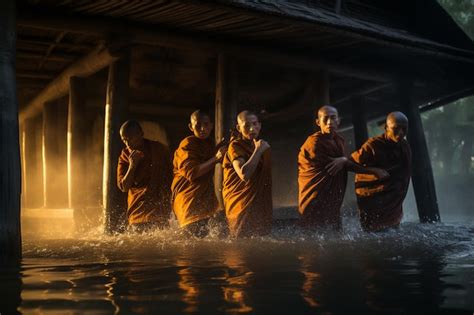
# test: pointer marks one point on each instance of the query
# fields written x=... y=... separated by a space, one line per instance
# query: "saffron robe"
x=380 y=201
x=194 y=198
x=248 y=204
x=149 y=198
x=320 y=194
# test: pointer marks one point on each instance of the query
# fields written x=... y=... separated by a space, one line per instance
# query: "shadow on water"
x=425 y=269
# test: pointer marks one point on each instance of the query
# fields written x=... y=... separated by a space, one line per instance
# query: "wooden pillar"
x=10 y=168
x=116 y=105
x=422 y=173
x=32 y=194
x=359 y=121
x=225 y=111
x=49 y=150
x=76 y=145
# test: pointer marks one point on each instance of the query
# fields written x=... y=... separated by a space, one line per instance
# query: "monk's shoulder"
x=238 y=148
x=312 y=140
x=189 y=142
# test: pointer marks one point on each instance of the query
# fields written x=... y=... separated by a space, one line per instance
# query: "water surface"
x=417 y=269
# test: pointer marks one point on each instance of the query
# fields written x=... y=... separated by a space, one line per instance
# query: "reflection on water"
x=425 y=269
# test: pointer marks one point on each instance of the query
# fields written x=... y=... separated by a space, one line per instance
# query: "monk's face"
x=132 y=138
x=249 y=126
x=396 y=130
x=201 y=126
x=328 y=120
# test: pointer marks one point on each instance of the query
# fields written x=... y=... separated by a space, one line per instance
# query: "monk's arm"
x=360 y=169
x=125 y=181
x=206 y=167
x=246 y=169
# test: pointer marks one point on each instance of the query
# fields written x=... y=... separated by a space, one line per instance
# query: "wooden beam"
x=50 y=49
x=88 y=65
x=53 y=57
x=116 y=105
x=10 y=170
x=422 y=173
x=150 y=35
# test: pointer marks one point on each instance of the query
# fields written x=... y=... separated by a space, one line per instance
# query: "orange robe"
x=194 y=199
x=248 y=205
x=380 y=201
x=149 y=197
x=320 y=194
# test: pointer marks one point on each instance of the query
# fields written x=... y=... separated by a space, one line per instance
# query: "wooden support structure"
x=32 y=182
x=76 y=145
x=59 y=87
x=422 y=173
x=116 y=105
x=101 y=26
x=225 y=111
x=10 y=168
x=359 y=121
x=49 y=149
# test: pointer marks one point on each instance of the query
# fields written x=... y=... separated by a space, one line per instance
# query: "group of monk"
x=156 y=185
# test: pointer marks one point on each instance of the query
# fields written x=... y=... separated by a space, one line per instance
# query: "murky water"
x=419 y=269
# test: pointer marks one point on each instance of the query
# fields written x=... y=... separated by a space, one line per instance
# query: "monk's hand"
x=221 y=143
x=135 y=157
x=261 y=145
x=380 y=173
x=220 y=153
x=336 y=165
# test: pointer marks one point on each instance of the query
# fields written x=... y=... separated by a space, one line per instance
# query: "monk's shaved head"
x=244 y=114
x=130 y=126
x=326 y=109
x=396 y=126
x=248 y=124
x=198 y=114
x=398 y=117
x=200 y=124
x=328 y=119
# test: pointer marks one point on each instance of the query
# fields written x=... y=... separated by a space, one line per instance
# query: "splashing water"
x=393 y=272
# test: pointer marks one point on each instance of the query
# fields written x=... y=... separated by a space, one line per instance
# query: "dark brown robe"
x=380 y=201
x=149 y=197
x=320 y=194
x=248 y=204
x=194 y=198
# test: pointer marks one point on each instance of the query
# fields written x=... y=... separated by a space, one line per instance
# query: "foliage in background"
x=450 y=129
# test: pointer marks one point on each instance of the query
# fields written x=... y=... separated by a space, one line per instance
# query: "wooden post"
x=10 y=168
x=225 y=111
x=359 y=121
x=31 y=181
x=76 y=145
x=49 y=149
x=422 y=173
x=116 y=105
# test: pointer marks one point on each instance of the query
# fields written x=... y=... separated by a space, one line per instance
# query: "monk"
x=247 y=186
x=322 y=173
x=380 y=200
x=193 y=195
x=144 y=172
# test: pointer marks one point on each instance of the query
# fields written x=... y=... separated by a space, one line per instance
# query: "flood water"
x=417 y=269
